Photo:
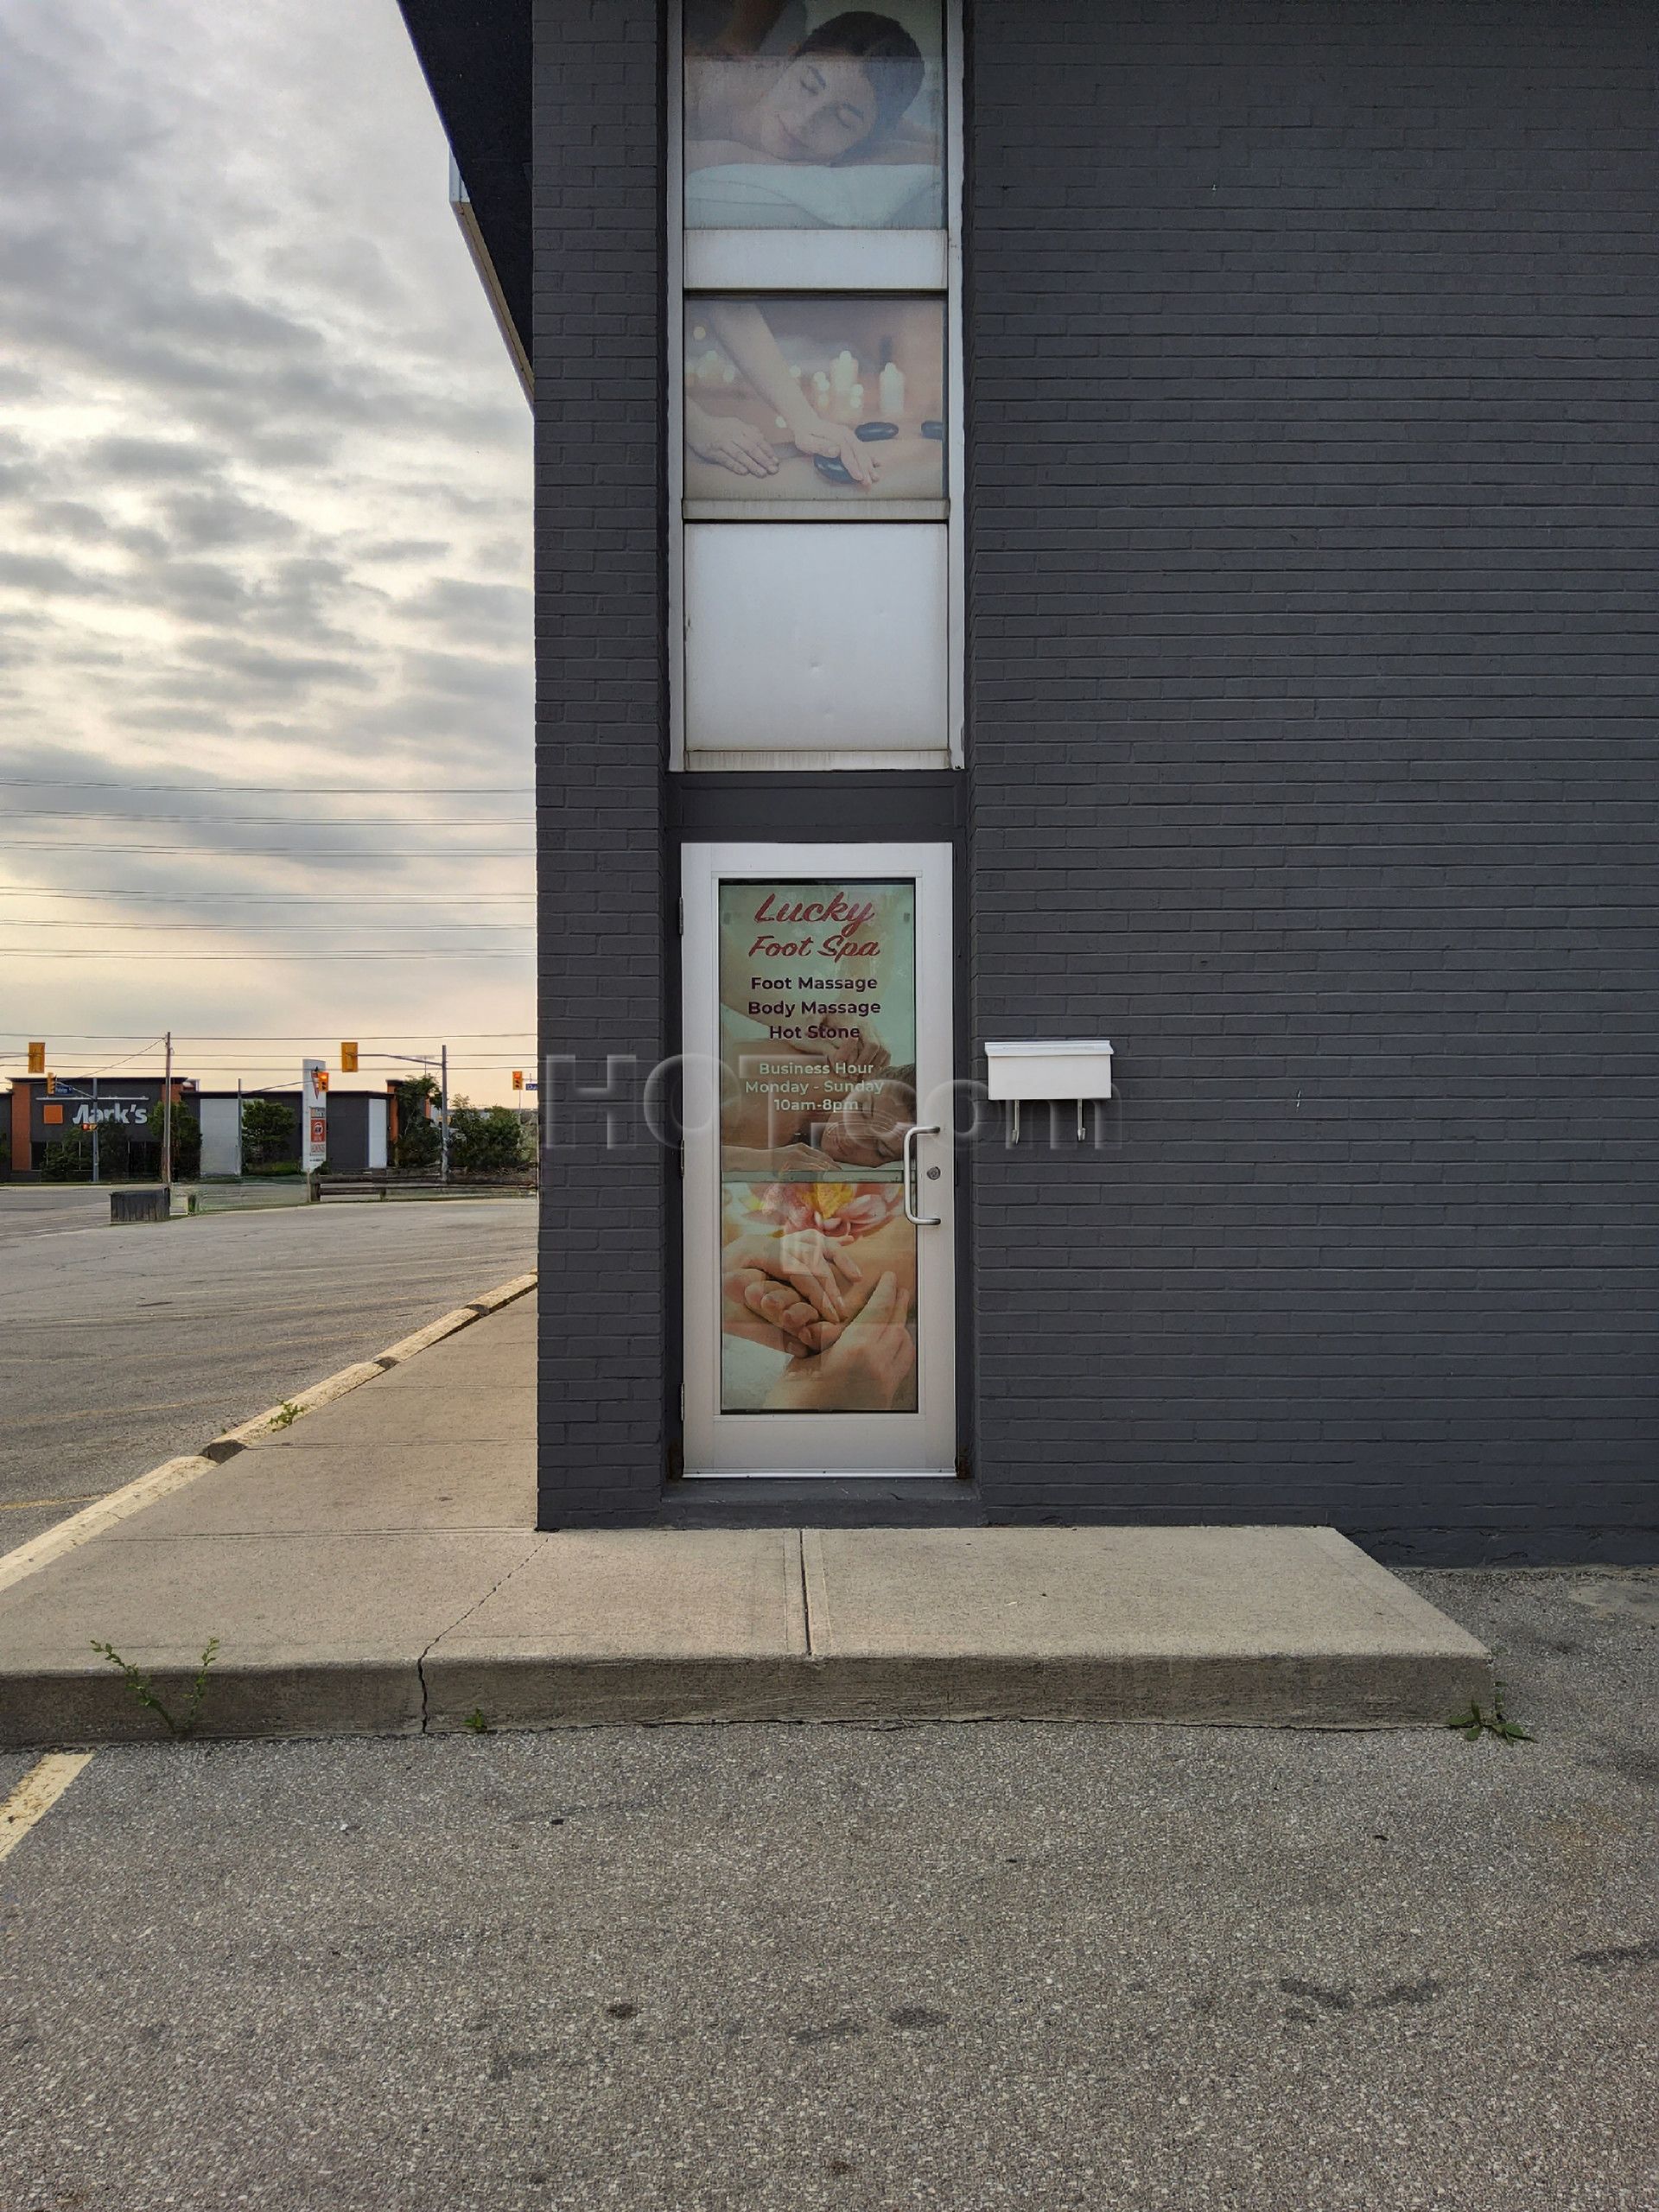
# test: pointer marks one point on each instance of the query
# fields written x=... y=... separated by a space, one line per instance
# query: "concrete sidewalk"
x=374 y=1570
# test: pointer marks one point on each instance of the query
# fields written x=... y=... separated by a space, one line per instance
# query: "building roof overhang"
x=475 y=56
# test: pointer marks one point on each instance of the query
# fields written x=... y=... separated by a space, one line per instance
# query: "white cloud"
x=265 y=483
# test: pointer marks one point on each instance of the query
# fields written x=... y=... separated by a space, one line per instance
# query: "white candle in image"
x=892 y=389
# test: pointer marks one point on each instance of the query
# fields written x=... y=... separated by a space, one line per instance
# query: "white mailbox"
x=1064 y=1067
x=1049 y=1068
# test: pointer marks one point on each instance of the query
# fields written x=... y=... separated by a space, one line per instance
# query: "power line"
x=279 y=898
x=288 y=1036
x=110 y=1066
x=264 y=929
x=219 y=1058
x=222 y=1059
x=263 y=853
x=350 y=952
x=261 y=821
x=303 y=791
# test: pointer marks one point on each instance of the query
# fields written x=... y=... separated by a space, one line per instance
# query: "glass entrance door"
x=819 y=1176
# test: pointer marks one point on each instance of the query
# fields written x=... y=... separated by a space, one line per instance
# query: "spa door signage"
x=818 y=1045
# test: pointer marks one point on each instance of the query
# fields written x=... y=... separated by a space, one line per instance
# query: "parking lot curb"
x=176 y=1474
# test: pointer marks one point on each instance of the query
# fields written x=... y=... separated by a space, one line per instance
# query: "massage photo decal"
x=831 y=398
x=817 y=1020
x=814 y=117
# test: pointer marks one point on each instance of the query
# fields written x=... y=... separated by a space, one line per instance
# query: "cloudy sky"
x=265 y=488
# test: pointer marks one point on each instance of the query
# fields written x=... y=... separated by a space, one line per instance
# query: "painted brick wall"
x=600 y=717
x=1313 y=687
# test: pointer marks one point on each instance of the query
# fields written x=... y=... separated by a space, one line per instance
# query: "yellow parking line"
x=35 y=1795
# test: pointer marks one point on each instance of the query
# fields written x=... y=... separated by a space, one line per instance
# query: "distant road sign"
x=313 y=1115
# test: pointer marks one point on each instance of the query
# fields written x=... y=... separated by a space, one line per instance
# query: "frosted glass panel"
x=802 y=639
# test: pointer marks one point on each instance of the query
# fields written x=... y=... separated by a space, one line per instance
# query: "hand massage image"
x=818 y=1289
x=815 y=399
x=797 y=117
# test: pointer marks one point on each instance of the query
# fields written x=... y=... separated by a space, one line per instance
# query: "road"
x=843 y=1969
x=122 y=1347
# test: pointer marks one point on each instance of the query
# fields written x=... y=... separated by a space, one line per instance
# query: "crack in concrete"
x=449 y=1627
x=806 y=1595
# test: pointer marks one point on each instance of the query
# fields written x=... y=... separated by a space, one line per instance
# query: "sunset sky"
x=264 y=495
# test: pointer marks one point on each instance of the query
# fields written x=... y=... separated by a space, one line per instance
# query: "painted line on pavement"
x=174 y=1474
x=35 y=1795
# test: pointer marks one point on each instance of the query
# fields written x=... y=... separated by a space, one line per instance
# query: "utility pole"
x=167 y=1125
x=94 y=1128
x=238 y=1128
x=443 y=1109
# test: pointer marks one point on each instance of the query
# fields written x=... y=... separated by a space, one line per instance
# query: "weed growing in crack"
x=1477 y=1722
x=144 y=1688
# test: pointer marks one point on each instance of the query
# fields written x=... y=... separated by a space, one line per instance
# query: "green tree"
x=419 y=1143
x=483 y=1139
x=187 y=1138
x=114 y=1151
x=69 y=1159
x=267 y=1132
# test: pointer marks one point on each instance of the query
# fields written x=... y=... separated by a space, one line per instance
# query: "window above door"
x=815 y=379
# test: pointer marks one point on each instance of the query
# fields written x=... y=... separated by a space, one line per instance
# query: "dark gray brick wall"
x=1313 y=680
x=599 y=719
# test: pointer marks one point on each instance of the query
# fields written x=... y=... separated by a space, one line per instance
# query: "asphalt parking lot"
x=122 y=1347
x=915 y=1969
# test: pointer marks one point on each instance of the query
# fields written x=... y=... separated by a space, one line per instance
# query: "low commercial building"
x=45 y=1112
x=361 y=1128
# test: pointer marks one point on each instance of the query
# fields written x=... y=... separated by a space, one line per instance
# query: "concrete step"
x=391 y=1631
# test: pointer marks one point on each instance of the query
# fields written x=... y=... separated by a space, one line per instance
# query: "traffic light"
x=37 y=1059
x=321 y=1079
x=518 y=1078
x=51 y=1086
x=348 y=1059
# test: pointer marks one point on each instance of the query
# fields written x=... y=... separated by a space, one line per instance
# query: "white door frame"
x=809 y=1445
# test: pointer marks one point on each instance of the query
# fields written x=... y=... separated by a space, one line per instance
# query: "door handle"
x=921 y=1220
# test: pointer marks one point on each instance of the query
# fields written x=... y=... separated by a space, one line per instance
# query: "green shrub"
x=68 y=1160
x=483 y=1139
x=270 y=1137
x=420 y=1143
x=187 y=1138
